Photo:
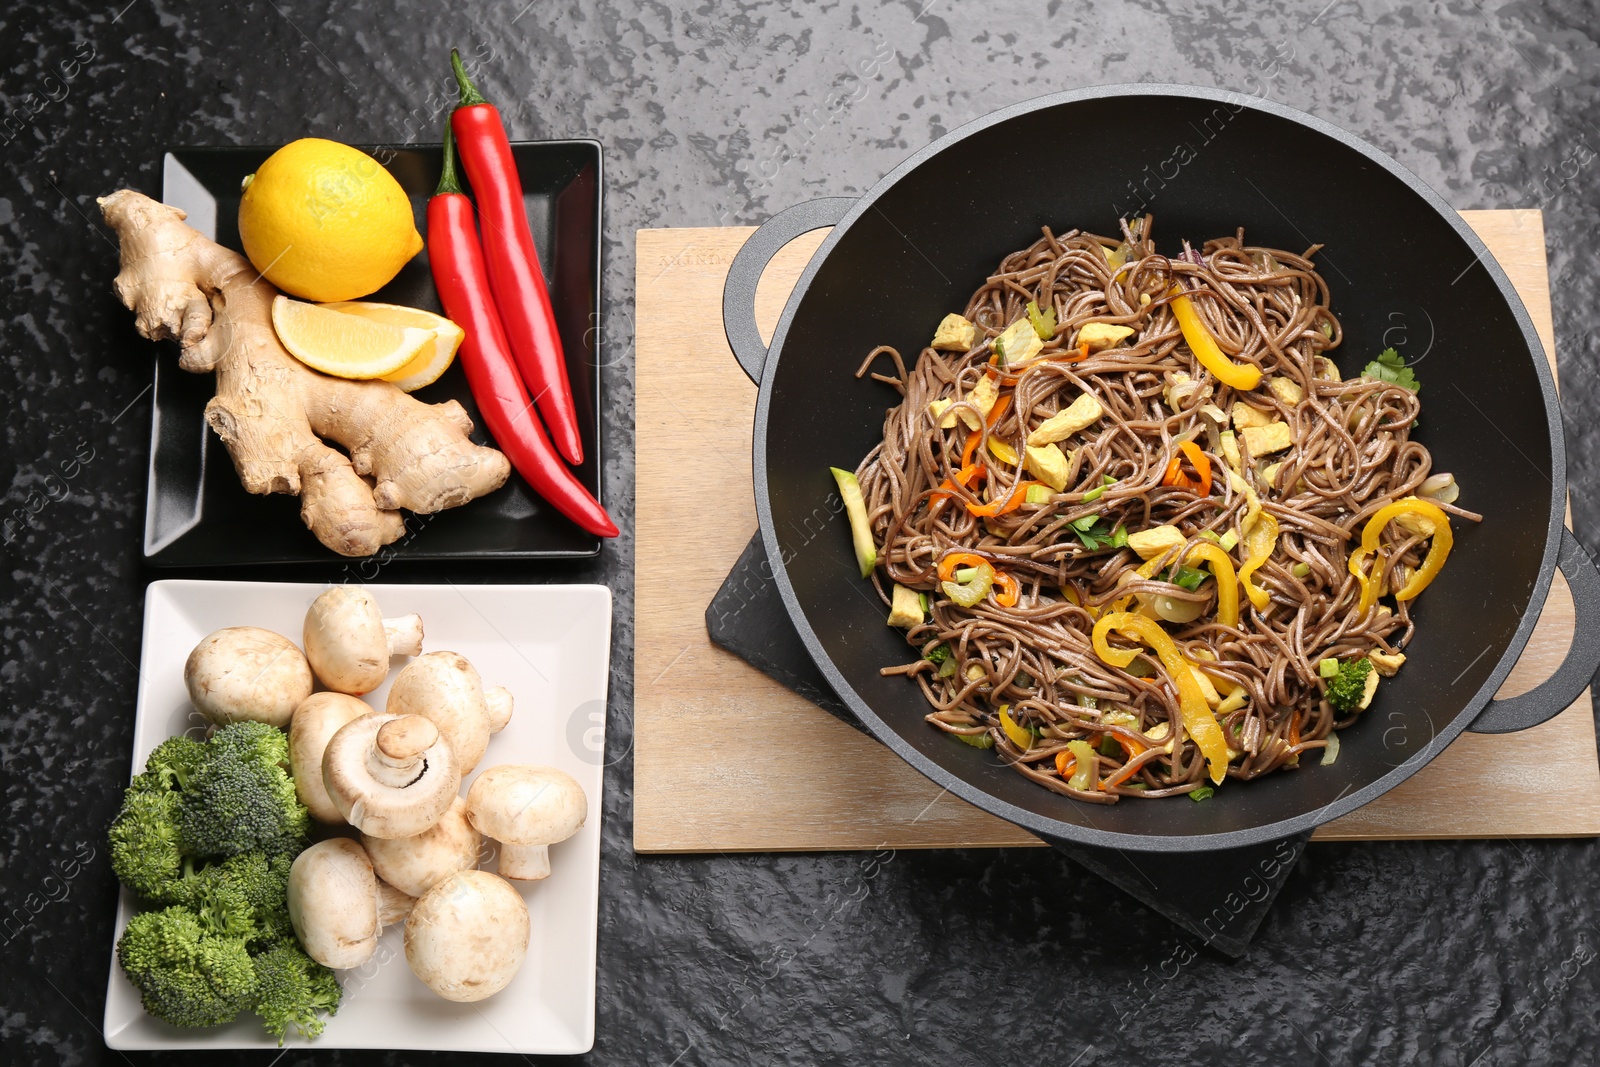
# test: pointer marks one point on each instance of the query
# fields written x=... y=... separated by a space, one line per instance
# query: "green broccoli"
x=210 y=829
x=251 y=883
x=172 y=763
x=185 y=975
x=1347 y=688
x=145 y=854
x=240 y=797
x=294 y=990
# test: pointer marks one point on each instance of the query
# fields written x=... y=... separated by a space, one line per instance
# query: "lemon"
x=345 y=346
x=430 y=362
x=324 y=221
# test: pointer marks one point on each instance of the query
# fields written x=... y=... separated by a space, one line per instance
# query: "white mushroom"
x=390 y=775
x=446 y=688
x=416 y=864
x=526 y=809
x=349 y=642
x=337 y=904
x=315 y=721
x=246 y=673
x=467 y=936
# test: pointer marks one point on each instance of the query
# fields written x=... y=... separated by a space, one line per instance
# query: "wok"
x=1398 y=259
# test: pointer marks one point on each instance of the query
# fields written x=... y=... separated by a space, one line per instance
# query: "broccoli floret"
x=145 y=854
x=171 y=764
x=240 y=797
x=1349 y=686
x=294 y=990
x=185 y=975
x=250 y=883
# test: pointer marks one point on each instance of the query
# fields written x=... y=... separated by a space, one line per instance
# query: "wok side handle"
x=739 y=291
x=1557 y=692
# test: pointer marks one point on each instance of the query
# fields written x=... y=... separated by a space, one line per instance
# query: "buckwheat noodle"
x=1352 y=454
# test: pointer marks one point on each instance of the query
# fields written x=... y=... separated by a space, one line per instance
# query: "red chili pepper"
x=463 y=284
x=514 y=274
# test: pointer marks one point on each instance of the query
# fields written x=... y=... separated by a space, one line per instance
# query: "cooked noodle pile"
x=1124 y=518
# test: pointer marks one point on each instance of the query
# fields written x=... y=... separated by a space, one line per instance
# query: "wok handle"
x=1557 y=692
x=739 y=291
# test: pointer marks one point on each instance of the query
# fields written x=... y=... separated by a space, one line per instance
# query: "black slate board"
x=1220 y=897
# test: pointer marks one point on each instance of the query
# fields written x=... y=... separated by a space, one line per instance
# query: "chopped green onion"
x=1094 y=494
x=1184 y=577
x=1328 y=667
x=1229 y=540
x=1331 y=753
x=1119 y=537
x=922 y=598
x=1000 y=350
x=1205 y=792
x=1044 y=323
x=965 y=574
x=1211 y=535
x=982 y=740
x=1108 y=479
x=1037 y=494
x=1300 y=570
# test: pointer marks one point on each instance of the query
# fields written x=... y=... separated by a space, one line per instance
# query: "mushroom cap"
x=524 y=805
x=333 y=903
x=466 y=937
x=348 y=643
x=416 y=864
x=445 y=688
x=317 y=719
x=245 y=673
x=390 y=775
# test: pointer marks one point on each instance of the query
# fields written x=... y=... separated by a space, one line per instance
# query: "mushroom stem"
x=393 y=905
x=396 y=758
x=497 y=700
x=525 y=863
x=404 y=635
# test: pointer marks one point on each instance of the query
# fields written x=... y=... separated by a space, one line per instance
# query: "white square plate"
x=551 y=646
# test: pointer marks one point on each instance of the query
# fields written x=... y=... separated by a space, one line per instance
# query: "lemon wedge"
x=343 y=345
x=430 y=362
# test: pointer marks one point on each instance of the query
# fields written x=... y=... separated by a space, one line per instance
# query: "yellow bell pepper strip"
x=1019 y=735
x=1197 y=718
x=1259 y=543
x=1003 y=452
x=1438 y=550
x=1227 y=582
x=1241 y=376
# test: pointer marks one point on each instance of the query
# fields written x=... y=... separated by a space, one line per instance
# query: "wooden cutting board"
x=704 y=781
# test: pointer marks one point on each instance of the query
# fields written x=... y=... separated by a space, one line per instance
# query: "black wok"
x=1205 y=162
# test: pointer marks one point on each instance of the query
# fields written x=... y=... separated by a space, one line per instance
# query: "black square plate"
x=198 y=514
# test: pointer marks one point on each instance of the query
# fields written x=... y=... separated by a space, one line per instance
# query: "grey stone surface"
x=1442 y=953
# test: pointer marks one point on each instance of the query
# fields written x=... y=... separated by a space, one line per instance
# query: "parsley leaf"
x=1044 y=323
x=1389 y=367
x=1096 y=533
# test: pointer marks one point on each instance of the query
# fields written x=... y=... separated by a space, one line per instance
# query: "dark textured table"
x=1449 y=953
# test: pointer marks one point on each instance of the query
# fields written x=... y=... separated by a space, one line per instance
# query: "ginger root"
x=272 y=411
